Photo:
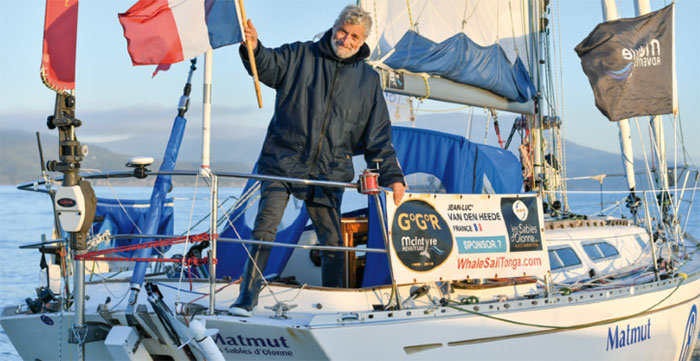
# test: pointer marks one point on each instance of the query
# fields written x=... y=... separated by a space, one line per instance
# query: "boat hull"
x=655 y=321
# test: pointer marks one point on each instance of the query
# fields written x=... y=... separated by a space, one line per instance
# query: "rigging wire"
x=116 y=197
x=524 y=25
x=250 y=256
x=561 y=149
x=572 y=327
x=376 y=30
x=661 y=223
x=187 y=239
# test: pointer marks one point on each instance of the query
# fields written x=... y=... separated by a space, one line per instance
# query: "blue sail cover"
x=161 y=187
x=122 y=217
x=232 y=257
x=461 y=165
x=461 y=60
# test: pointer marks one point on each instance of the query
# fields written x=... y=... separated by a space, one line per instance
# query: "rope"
x=116 y=197
x=376 y=30
x=410 y=17
x=187 y=239
x=573 y=327
x=525 y=24
x=159 y=243
x=427 y=87
x=191 y=261
x=512 y=28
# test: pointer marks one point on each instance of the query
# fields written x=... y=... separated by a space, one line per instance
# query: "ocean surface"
x=25 y=216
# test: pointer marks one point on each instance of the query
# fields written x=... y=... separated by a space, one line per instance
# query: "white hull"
x=597 y=325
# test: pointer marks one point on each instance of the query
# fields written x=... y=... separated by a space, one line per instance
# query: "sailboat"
x=484 y=258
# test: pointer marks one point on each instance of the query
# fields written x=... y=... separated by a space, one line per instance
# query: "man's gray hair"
x=352 y=14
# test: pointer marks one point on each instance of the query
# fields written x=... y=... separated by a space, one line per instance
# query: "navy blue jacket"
x=326 y=110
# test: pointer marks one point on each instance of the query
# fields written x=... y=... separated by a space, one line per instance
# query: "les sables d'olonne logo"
x=420 y=236
x=644 y=56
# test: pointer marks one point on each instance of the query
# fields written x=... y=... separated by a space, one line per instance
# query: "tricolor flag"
x=58 y=55
x=170 y=31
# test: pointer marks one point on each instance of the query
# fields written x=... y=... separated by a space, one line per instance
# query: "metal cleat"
x=280 y=309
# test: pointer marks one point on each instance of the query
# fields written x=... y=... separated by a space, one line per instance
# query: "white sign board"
x=435 y=237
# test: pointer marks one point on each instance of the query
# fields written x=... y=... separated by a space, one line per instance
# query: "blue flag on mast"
x=161 y=188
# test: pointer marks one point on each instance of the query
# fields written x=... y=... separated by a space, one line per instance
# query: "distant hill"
x=19 y=159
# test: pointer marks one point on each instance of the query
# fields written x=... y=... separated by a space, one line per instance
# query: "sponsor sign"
x=421 y=238
x=451 y=237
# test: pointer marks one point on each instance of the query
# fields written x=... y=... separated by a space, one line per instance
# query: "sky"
x=116 y=100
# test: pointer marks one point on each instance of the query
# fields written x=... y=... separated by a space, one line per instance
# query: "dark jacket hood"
x=327 y=51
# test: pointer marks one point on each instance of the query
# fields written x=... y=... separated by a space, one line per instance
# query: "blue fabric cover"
x=232 y=256
x=120 y=216
x=462 y=60
x=161 y=187
x=461 y=166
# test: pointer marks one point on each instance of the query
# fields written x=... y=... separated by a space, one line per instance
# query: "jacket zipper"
x=326 y=120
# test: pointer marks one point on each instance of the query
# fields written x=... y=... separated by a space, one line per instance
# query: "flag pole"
x=251 y=57
x=206 y=111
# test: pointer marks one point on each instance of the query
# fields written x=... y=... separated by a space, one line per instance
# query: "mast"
x=206 y=171
x=610 y=13
x=206 y=110
x=642 y=7
x=538 y=49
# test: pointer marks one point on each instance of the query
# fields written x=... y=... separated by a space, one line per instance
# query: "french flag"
x=169 y=31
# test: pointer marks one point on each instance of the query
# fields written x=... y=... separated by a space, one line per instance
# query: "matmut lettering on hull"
x=629 y=336
x=242 y=345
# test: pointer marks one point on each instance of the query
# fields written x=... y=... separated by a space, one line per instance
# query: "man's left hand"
x=399 y=189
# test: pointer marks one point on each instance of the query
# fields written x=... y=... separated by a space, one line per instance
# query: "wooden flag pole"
x=251 y=57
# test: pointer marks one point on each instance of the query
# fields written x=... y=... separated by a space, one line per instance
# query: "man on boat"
x=329 y=106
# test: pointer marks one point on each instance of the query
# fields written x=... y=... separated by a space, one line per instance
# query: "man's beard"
x=342 y=52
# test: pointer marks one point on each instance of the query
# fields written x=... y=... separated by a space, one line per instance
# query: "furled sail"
x=460 y=59
x=461 y=39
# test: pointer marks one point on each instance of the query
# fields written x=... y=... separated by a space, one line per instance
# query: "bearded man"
x=328 y=107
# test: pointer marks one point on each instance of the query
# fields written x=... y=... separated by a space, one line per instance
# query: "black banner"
x=629 y=63
x=522 y=223
x=421 y=237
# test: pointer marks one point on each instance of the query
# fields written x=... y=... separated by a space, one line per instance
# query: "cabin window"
x=608 y=249
x=642 y=243
x=563 y=257
x=600 y=250
x=554 y=261
x=424 y=182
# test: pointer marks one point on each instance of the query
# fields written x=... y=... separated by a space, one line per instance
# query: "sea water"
x=25 y=216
